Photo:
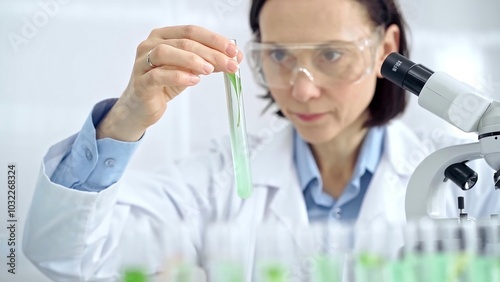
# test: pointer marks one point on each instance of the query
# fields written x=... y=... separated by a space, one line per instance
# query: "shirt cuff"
x=93 y=165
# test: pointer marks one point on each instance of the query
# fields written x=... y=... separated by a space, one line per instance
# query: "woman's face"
x=319 y=112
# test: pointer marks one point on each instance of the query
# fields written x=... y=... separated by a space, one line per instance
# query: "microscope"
x=460 y=105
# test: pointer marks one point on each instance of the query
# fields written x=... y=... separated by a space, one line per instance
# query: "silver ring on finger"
x=149 y=60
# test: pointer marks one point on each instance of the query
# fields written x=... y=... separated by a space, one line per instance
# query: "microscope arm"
x=422 y=188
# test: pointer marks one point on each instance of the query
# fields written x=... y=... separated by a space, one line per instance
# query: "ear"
x=389 y=44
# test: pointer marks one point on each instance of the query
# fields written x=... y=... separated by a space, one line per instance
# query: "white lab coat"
x=84 y=236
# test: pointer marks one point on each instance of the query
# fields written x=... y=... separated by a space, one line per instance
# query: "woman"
x=341 y=159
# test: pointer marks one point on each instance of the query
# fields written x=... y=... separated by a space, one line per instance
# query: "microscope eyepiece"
x=405 y=73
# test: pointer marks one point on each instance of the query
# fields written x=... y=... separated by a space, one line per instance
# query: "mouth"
x=308 y=117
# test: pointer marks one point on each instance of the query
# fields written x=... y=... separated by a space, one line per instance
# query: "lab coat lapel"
x=385 y=198
x=275 y=170
x=288 y=204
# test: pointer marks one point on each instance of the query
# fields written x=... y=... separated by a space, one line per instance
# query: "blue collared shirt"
x=93 y=165
x=322 y=206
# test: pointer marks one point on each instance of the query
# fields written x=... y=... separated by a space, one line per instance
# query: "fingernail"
x=231 y=50
x=208 y=68
x=194 y=79
x=232 y=65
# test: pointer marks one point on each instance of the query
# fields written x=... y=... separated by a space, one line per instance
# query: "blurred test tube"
x=227 y=249
x=274 y=254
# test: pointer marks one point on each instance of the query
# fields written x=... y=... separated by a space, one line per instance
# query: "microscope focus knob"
x=496 y=179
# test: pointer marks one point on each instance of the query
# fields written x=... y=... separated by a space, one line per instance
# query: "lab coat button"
x=88 y=154
x=110 y=162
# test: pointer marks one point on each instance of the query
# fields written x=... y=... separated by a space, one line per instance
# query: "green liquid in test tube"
x=237 y=127
x=495 y=273
x=396 y=271
x=459 y=266
x=481 y=270
x=230 y=272
x=412 y=263
x=273 y=272
x=184 y=273
x=369 y=267
x=326 y=269
x=438 y=267
x=404 y=270
x=134 y=275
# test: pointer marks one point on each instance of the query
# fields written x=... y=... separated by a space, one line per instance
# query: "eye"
x=278 y=55
x=330 y=55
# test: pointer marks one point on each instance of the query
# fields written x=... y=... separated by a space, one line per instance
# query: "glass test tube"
x=237 y=127
x=226 y=252
x=484 y=266
x=179 y=256
x=436 y=259
x=370 y=262
x=275 y=254
x=330 y=246
x=412 y=253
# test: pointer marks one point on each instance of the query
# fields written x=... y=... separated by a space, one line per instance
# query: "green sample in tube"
x=396 y=271
x=237 y=127
x=495 y=270
x=412 y=267
x=326 y=269
x=404 y=270
x=184 y=273
x=369 y=267
x=134 y=275
x=459 y=265
x=481 y=270
x=273 y=272
x=230 y=272
x=438 y=267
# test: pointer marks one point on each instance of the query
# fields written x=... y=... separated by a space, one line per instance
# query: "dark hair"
x=389 y=100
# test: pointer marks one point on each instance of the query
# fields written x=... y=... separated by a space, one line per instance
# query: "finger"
x=198 y=34
x=168 y=56
x=239 y=56
x=219 y=60
x=159 y=78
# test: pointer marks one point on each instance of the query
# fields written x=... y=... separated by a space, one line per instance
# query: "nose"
x=304 y=87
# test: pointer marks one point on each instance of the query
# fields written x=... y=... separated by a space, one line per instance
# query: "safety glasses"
x=328 y=64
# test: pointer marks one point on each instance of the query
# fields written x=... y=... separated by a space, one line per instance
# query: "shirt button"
x=338 y=213
x=110 y=162
x=88 y=154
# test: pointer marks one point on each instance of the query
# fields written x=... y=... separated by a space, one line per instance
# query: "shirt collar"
x=368 y=159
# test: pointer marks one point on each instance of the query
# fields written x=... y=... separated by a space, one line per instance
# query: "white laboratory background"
x=60 y=57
